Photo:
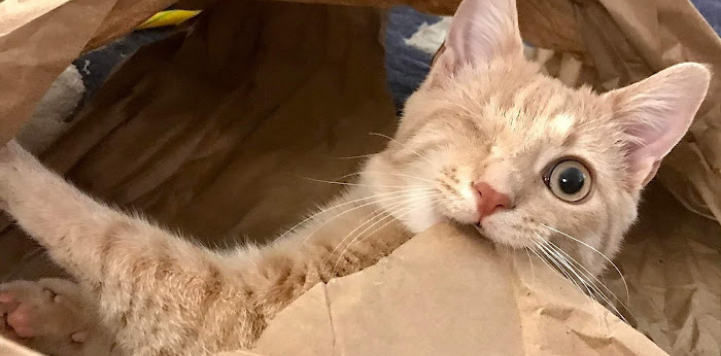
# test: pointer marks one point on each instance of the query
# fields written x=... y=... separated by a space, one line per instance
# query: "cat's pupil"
x=571 y=180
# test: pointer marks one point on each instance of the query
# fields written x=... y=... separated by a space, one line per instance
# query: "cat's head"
x=488 y=140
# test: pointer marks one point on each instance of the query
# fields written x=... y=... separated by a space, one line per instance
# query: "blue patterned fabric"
x=711 y=10
x=406 y=66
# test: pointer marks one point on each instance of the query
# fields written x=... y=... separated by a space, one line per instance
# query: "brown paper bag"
x=30 y=58
x=208 y=133
x=448 y=293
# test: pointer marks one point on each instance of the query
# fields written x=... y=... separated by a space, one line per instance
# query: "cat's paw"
x=44 y=315
x=12 y=326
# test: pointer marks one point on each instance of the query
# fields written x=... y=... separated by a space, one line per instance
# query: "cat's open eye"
x=569 y=180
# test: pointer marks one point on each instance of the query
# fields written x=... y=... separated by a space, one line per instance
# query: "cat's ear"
x=480 y=31
x=656 y=113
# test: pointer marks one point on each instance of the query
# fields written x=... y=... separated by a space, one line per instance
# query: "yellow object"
x=168 y=18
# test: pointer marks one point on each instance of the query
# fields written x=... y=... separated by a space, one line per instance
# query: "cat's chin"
x=508 y=238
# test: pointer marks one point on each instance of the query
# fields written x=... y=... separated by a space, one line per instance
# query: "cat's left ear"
x=480 y=31
x=656 y=113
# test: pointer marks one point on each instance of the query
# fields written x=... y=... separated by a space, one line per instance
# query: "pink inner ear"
x=657 y=113
x=656 y=127
x=482 y=30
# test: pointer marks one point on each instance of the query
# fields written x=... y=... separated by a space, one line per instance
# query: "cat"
x=486 y=141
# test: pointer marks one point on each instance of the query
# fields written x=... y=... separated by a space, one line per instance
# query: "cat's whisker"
x=388 y=212
x=530 y=262
x=578 y=281
x=562 y=265
x=402 y=198
x=584 y=277
x=593 y=282
x=359 y=184
x=355 y=157
x=563 y=262
x=370 y=220
x=548 y=260
x=595 y=291
x=545 y=261
x=389 y=174
x=351 y=202
x=392 y=214
x=556 y=263
x=625 y=285
x=404 y=145
x=559 y=269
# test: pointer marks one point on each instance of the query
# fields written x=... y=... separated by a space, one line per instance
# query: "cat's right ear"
x=481 y=30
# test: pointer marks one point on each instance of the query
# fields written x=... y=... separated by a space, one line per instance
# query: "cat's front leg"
x=157 y=293
x=68 y=223
x=91 y=240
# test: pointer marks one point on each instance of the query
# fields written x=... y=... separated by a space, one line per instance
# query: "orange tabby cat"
x=487 y=140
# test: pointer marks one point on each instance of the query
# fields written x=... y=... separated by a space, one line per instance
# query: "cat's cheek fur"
x=415 y=206
x=443 y=169
x=421 y=220
x=598 y=229
x=454 y=173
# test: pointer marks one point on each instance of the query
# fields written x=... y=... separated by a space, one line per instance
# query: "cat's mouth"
x=479 y=228
x=476 y=225
x=489 y=233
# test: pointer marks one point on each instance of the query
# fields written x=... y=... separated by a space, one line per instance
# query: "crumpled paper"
x=447 y=292
x=208 y=132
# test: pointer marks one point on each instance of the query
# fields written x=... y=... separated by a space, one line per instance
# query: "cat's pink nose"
x=490 y=200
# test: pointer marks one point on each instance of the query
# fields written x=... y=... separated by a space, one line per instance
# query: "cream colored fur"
x=483 y=115
x=159 y=294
